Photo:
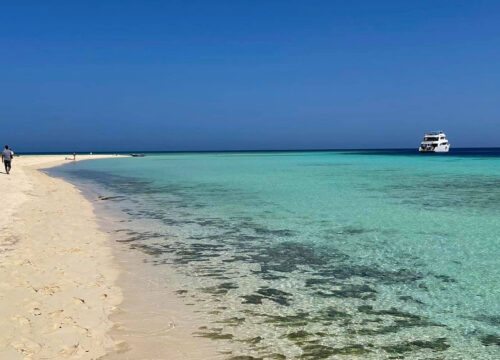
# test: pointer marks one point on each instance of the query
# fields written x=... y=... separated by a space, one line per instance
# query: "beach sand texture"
x=66 y=292
x=57 y=274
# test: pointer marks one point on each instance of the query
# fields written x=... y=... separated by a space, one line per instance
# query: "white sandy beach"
x=57 y=286
x=63 y=291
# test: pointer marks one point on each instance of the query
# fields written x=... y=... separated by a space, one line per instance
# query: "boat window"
x=429 y=138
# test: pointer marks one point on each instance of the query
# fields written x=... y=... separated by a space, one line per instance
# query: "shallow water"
x=318 y=255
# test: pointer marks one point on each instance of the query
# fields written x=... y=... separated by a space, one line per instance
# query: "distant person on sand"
x=74 y=156
x=7 y=155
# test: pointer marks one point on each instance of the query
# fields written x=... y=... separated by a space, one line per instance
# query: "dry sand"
x=57 y=274
x=66 y=292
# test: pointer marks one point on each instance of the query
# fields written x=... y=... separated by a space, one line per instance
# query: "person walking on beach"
x=7 y=158
x=74 y=156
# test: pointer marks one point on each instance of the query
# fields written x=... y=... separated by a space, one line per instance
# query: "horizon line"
x=235 y=150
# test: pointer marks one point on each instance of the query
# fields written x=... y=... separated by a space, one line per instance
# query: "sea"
x=373 y=254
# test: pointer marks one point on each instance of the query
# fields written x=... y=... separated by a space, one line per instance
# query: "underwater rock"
x=234 y=321
x=332 y=313
x=317 y=351
x=436 y=345
x=254 y=340
x=351 y=291
x=299 y=319
x=214 y=335
x=275 y=295
x=488 y=340
x=253 y=299
x=297 y=335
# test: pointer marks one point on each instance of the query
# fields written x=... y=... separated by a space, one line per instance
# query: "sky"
x=228 y=75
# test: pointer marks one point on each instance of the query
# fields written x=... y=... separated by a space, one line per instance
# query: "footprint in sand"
x=36 y=311
x=70 y=350
x=26 y=346
x=118 y=326
x=68 y=320
x=122 y=346
x=23 y=262
x=80 y=302
x=56 y=313
x=21 y=320
x=50 y=290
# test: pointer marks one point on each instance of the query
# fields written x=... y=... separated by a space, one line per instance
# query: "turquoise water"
x=320 y=255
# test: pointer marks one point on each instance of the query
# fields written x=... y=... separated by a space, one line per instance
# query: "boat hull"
x=437 y=149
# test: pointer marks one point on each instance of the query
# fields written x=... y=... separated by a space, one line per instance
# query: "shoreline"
x=70 y=290
x=159 y=318
x=152 y=322
x=58 y=285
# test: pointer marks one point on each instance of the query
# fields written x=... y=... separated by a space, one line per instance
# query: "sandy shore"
x=57 y=274
x=67 y=290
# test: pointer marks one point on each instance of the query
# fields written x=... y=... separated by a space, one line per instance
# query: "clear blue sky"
x=207 y=75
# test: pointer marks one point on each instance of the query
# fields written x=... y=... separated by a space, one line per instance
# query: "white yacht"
x=434 y=142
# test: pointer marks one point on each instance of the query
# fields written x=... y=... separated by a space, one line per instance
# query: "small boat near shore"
x=434 y=142
x=137 y=155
